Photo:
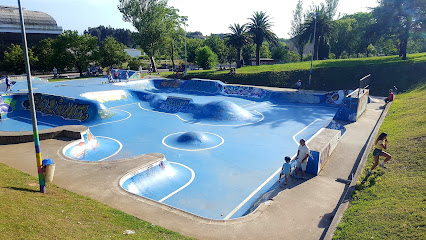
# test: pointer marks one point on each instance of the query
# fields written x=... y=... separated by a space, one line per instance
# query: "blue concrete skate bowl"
x=224 y=145
x=95 y=150
x=193 y=141
x=158 y=181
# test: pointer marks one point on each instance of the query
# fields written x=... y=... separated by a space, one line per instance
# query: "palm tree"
x=260 y=29
x=237 y=39
x=324 y=31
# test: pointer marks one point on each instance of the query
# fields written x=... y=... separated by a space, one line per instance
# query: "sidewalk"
x=302 y=210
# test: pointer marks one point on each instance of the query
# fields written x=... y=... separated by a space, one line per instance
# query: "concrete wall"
x=321 y=146
x=66 y=108
x=353 y=106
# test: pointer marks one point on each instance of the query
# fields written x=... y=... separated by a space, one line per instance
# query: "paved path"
x=302 y=210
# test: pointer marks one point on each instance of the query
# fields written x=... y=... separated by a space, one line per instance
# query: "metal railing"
x=364 y=83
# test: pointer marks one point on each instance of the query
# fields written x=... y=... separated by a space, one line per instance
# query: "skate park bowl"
x=223 y=145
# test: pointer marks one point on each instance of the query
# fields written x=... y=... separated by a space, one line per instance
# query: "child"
x=8 y=84
x=286 y=169
x=380 y=145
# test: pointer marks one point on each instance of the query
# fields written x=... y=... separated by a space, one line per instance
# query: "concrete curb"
x=69 y=131
x=347 y=194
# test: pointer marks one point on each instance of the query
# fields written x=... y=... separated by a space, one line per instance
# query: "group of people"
x=113 y=75
x=302 y=157
x=95 y=71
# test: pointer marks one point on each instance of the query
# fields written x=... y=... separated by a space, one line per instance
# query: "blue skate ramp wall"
x=50 y=105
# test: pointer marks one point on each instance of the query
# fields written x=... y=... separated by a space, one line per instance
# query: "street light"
x=184 y=19
x=313 y=47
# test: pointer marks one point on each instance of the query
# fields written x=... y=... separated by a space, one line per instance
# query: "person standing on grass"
x=285 y=170
x=302 y=157
x=380 y=145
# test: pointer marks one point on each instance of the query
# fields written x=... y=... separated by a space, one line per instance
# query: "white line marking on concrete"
x=204 y=124
x=51 y=124
x=267 y=180
x=248 y=104
x=124 y=105
x=184 y=186
x=119 y=149
x=294 y=136
x=192 y=150
x=130 y=115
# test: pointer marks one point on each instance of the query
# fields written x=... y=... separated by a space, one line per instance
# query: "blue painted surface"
x=158 y=181
x=252 y=151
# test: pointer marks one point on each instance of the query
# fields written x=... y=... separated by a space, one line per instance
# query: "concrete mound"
x=224 y=110
x=193 y=138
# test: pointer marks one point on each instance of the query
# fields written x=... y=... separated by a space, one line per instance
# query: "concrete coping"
x=322 y=139
x=69 y=131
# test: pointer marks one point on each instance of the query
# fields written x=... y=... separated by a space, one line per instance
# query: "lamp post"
x=184 y=19
x=313 y=48
x=41 y=180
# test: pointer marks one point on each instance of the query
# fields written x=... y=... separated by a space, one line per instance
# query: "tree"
x=123 y=36
x=400 y=17
x=370 y=49
x=154 y=21
x=319 y=22
x=343 y=37
x=73 y=50
x=14 y=59
x=248 y=52
x=363 y=32
x=387 y=46
x=296 y=32
x=238 y=38
x=44 y=52
x=280 y=52
x=217 y=45
x=260 y=30
x=196 y=34
x=192 y=45
x=264 y=51
x=206 y=58
x=112 y=53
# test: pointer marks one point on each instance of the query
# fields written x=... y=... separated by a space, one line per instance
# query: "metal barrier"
x=364 y=83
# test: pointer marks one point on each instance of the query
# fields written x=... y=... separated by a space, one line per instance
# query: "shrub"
x=206 y=58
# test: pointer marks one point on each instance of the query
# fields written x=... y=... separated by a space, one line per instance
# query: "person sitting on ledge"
x=390 y=97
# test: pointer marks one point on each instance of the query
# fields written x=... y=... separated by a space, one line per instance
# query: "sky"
x=204 y=16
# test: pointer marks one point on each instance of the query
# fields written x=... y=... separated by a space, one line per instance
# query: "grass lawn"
x=59 y=214
x=390 y=204
x=306 y=65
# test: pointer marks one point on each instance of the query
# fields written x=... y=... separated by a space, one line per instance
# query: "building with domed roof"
x=38 y=26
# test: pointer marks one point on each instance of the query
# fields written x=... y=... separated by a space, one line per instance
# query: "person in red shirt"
x=390 y=97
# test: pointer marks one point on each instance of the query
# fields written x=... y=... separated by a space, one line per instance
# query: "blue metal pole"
x=41 y=180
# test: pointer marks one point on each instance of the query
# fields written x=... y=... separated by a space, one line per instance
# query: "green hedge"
x=383 y=77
